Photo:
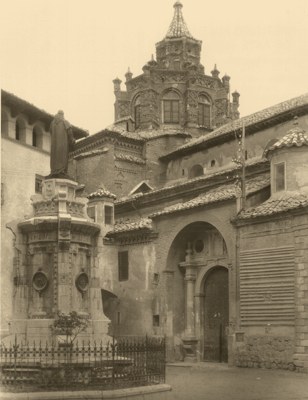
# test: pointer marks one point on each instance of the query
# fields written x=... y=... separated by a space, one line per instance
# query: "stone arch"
x=226 y=231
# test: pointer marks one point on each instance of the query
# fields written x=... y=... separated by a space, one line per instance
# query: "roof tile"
x=225 y=192
x=283 y=202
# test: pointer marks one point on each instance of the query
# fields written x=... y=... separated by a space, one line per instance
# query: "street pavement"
x=211 y=381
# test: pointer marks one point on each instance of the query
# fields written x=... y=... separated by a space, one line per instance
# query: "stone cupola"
x=179 y=49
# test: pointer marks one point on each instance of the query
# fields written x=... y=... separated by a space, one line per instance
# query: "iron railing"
x=122 y=362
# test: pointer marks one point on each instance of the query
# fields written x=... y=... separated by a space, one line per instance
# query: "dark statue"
x=62 y=141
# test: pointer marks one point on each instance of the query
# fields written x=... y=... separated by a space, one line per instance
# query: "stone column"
x=189 y=337
x=190 y=278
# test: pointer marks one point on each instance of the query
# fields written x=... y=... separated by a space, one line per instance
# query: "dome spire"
x=178 y=27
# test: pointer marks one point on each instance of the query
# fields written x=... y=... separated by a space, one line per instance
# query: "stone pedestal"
x=56 y=267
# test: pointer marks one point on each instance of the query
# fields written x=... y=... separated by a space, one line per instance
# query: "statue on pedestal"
x=62 y=141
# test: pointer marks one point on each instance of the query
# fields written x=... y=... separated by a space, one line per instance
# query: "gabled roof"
x=142 y=187
x=23 y=106
x=178 y=27
x=253 y=122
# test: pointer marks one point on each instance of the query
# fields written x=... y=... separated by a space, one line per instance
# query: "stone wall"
x=272 y=352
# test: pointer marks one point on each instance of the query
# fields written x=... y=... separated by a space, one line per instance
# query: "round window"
x=39 y=281
x=199 y=245
x=82 y=282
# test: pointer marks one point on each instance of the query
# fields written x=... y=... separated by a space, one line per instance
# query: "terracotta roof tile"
x=129 y=158
x=149 y=133
x=225 y=192
x=101 y=192
x=295 y=137
x=283 y=202
x=128 y=225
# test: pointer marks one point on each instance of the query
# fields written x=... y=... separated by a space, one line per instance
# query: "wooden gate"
x=216 y=315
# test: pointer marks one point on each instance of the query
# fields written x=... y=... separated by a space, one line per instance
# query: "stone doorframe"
x=195 y=275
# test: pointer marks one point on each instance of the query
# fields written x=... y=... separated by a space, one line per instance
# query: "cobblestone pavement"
x=210 y=381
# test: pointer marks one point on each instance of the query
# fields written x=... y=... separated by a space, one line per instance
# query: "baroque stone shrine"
x=54 y=265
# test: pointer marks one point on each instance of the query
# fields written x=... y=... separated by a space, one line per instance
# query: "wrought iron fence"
x=122 y=362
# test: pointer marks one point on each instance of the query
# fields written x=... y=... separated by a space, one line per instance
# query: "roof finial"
x=178 y=27
x=295 y=120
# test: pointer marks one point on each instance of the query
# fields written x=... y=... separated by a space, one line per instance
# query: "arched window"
x=137 y=109
x=171 y=108
x=204 y=111
x=196 y=170
x=20 y=129
x=37 y=137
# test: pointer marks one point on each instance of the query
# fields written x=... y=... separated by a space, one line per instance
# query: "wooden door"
x=216 y=315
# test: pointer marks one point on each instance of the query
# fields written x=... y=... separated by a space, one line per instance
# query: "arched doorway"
x=216 y=315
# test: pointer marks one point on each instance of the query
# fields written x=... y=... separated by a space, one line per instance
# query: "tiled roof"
x=127 y=225
x=90 y=153
x=102 y=192
x=178 y=27
x=148 y=134
x=296 y=137
x=129 y=158
x=228 y=169
x=222 y=193
x=230 y=128
x=278 y=204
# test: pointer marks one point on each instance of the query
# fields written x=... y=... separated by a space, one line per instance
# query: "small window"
x=108 y=215
x=91 y=213
x=38 y=183
x=156 y=320
x=155 y=278
x=123 y=265
x=279 y=177
x=213 y=163
x=118 y=318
